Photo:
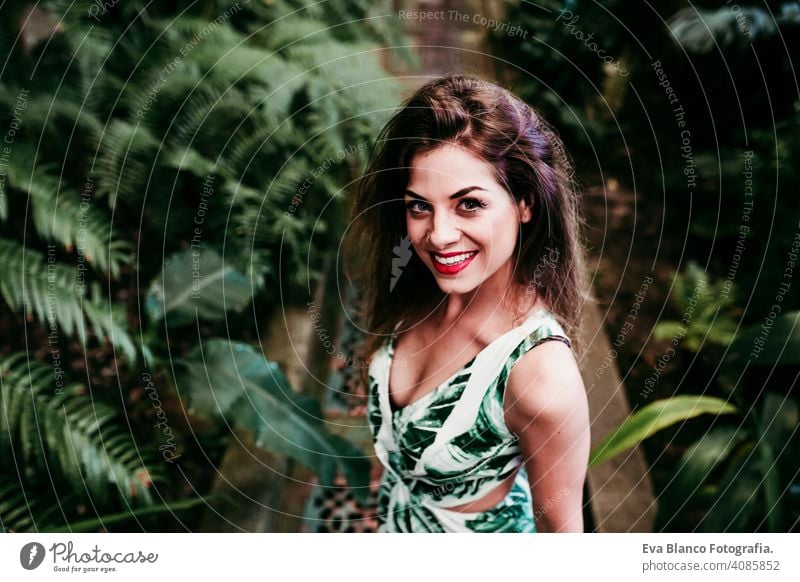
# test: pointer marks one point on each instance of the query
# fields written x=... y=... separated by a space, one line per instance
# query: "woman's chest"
x=421 y=365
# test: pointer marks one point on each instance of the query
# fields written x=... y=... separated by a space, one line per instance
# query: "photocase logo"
x=402 y=254
x=31 y=555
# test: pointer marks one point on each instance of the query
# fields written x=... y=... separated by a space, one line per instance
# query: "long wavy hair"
x=529 y=160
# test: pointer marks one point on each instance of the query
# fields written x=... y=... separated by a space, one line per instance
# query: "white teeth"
x=454 y=259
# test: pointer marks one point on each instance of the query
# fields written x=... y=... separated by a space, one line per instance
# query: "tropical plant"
x=169 y=168
x=654 y=417
x=708 y=310
x=744 y=473
x=62 y=444
x=740 y=477
x=233 y=384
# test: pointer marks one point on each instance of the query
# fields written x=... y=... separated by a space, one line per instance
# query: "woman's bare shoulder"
x=545 y=382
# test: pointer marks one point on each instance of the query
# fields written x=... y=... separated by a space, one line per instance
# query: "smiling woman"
x=477 y=431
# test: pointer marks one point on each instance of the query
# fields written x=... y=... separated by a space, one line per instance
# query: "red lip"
x=452 y=269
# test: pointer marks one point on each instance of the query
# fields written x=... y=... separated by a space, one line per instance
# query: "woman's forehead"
x=448 y=169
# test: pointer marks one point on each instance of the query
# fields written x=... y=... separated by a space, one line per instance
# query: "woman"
x=467 y=230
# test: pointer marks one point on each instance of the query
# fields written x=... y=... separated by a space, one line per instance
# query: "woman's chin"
x=453 y=286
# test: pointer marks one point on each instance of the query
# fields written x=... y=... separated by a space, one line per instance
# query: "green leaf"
x=233 y=382
x=49 y=290
x=20 y=510
x=650 y=419
x=668 y=330
x=771 y=486
x=780 y=418
x=776 y=343
x=198 y=283
x=109 y=321
x=187 y=159
x=696 y=464
x=706 y=307
x=736 y=495
x=778 y=423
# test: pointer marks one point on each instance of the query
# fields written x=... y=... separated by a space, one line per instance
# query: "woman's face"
x=461 y=222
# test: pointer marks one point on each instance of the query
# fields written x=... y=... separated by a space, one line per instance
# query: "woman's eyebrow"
x=459 y=194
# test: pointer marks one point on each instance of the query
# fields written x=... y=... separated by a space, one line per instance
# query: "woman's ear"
x=525 y=210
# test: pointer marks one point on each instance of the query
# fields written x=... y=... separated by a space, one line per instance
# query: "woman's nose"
x=444 y=230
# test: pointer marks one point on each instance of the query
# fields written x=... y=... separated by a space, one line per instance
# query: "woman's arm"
x=546 y=406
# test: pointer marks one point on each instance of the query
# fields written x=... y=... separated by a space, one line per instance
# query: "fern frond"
x=55 y=295
x=219 y=50
x=47 y=290
x=290 y=30
x=64 y=218
x=127 y=154
x=62 y=430
x=249 y=153
x=700 y=30
x=275 y=94
x=21 y=510
x=108 y=321
x=80 y=226
x=209 y=114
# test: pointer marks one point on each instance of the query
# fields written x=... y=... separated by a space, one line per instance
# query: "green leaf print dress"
x=452 y=446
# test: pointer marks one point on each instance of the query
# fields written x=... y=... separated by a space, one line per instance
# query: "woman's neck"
x=479 y=306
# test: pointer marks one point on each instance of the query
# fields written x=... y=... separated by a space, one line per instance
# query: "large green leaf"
x=779 y=418
x=198 y=283
x=737 y=494
x=230 y=381
x=696 y=464
x=652 y=418
x=770 y=485
x=779 y=421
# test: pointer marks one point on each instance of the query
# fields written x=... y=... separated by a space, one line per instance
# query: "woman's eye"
x=416 y=206
x=472 y=204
